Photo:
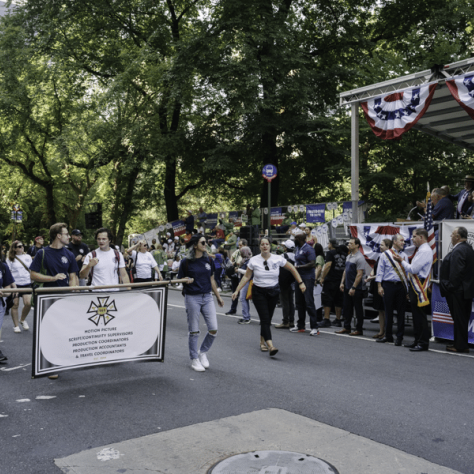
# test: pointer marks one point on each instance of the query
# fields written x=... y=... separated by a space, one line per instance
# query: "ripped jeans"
x=196 y=305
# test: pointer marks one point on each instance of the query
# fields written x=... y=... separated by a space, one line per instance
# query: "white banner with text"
x=85 y=329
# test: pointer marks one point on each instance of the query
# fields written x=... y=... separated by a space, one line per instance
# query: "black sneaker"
x=337 y=323
x=2 y=356
x=325 y=324
x=244 y=321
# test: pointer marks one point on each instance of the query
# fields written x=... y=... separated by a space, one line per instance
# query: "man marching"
x=392 y=286
x=418 y=273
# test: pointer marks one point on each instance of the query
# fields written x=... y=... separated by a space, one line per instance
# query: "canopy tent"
x=437 y=101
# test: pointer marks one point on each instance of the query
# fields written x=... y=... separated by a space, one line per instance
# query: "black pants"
x=460 y=310
x=395 y=297
x=287 y=299
x=305 y=304
x=350 y=303
x=141 y=280
x=234 y=281
x=265 y=301
x=420 y=320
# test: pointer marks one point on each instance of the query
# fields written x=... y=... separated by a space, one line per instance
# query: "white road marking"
x=4 y=369
x=45 y=397
x=82 y=396
x=3 y=416
x=21 y=400
x=15 y=436
x=107 y=454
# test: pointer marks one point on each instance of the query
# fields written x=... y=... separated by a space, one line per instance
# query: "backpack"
x=94 y=255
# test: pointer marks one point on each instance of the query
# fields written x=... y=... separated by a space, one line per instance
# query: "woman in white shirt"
x=265 y=269
x=143 y=262
x=17 y=261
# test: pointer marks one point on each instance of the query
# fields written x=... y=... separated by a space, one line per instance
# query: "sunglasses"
x=266 y=265
x=19 y=247
x=202 y=242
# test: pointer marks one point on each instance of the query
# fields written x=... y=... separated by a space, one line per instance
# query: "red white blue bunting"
x=391 y=115
x=462 y=89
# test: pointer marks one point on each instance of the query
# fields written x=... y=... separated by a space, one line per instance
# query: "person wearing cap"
x=462 y=196
x=33 y=250
x=287 y=288
x=79 y=249
x=189 y=221
x=200 y=270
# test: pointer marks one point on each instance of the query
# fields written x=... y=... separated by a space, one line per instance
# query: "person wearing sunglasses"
x=19 y=263
x=144 y=263
x=199 y=268
x=265 y=269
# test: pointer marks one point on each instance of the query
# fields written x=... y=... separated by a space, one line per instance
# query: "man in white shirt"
x=106 y=264
x=420 y=269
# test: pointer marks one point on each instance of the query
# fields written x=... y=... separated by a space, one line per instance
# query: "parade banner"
x=276 y=218
x=179 y=228
x=85 y=329
x=238 y=219
x=315 y=213
x=371 y=236
x=442 y=322
x=211 y=220
x=348 y=205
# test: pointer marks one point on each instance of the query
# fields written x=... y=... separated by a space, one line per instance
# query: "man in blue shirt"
x=462 y=196
x=305 y=259
x=392 y=286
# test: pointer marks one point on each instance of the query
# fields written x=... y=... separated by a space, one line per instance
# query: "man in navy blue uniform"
x=443 y=207
x=305 y=259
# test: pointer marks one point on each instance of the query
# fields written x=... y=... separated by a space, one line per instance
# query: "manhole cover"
x=272 y=462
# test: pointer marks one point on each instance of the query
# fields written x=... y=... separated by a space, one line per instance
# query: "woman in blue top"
x=6 y=281
x=199 y=268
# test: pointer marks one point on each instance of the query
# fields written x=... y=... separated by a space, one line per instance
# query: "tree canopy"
x=150 y=106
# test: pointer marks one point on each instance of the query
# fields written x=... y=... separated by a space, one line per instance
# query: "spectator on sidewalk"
x=287 y=288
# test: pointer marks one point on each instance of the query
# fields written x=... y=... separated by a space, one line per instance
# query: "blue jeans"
x=2 y=313
x=245 y=302
x=195 y=305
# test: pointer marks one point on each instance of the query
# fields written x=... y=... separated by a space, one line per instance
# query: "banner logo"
x=101 y=310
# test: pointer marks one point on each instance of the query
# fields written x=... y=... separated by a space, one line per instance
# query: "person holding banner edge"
x=55 y=265
x=418 y=276
x=199 y=268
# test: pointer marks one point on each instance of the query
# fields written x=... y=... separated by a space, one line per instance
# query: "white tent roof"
x=444 y=118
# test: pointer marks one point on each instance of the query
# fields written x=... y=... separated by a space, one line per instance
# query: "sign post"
x=269 y=172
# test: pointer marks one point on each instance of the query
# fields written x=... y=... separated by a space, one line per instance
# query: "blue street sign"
x=269 y=172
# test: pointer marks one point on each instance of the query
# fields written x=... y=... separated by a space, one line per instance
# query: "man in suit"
x=457 y=286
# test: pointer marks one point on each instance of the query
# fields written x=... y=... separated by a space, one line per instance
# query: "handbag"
x=229 y=269
x=248 y=296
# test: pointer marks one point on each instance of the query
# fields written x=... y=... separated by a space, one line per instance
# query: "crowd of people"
x=288 y=274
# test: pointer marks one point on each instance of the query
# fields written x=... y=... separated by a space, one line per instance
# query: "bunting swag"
x=462 y=89
x=391 y=115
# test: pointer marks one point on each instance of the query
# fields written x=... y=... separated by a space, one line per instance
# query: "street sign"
x=269 y=172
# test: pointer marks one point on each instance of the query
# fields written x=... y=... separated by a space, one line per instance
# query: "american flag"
x=429 y=226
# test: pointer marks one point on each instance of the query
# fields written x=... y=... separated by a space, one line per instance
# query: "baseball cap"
x=76 y=232
x=289 y=244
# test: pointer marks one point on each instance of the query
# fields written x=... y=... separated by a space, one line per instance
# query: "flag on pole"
x=429 y=226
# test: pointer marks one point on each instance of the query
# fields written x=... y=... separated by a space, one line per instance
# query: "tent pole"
x=355 y=161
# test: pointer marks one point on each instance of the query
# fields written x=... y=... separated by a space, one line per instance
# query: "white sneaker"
x=219 y=290
x=16 y=329
x=197 y=366
x=179 y=287
x=25 y=325
x=204 y=360
x=314 y=332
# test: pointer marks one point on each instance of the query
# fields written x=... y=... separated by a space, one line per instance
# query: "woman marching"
x=265 y=269
x=199 y=268
x=19 y=264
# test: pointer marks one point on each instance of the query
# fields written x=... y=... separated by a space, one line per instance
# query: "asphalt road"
x=420 y=403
